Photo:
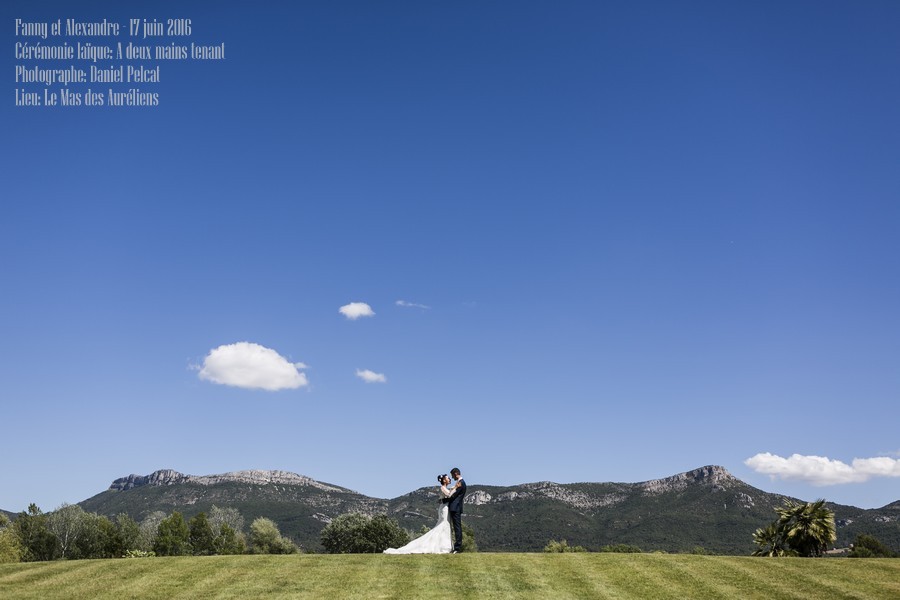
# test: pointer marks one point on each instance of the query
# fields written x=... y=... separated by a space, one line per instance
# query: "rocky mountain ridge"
x=716 y=477
x=251 y=477
x=713 y=475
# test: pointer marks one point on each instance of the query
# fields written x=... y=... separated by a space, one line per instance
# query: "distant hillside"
x=11 y=515
x=301 y=506
x=705 y=507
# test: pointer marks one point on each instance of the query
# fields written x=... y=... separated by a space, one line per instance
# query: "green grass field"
x=484 y=575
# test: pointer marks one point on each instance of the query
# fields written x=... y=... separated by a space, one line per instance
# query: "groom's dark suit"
x=455 y=508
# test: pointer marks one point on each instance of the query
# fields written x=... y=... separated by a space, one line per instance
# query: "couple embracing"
x=446 y=536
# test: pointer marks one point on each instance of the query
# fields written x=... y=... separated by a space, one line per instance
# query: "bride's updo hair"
x=441 y=478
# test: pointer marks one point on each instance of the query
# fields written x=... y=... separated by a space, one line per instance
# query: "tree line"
x=71 y=533
x=801 y=529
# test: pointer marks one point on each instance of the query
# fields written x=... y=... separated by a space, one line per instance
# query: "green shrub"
x=562 y=546
x=867 y=546
x=266 y=539
x=622 y=548
x=354 y=533
x=468 y=542
x=229 y=541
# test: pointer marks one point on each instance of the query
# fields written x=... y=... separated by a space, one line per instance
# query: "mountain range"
x=706 y=507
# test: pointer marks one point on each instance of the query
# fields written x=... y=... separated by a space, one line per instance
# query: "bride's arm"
x=445 y=493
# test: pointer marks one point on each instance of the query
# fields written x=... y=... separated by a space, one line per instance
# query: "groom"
x=455 y=508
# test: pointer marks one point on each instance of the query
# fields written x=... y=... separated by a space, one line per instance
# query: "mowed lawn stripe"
x=337 y=576
x=483 y=579
x=629 y=578
x=217 y=575
x=64 y=579
x=774 y=577
x=741 y=577
x=590 y=578
x=804 y=578
x=801 y=580
x=411 y=576
x=831 y=577
x=884 y=571
x=482 y=576
x=522 y=575
x=694 y=576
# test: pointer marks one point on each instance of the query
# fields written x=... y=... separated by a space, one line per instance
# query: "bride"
x=436 y=541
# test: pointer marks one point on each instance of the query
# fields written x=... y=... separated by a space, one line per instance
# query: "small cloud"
x=371 y=376
x=821 y=471
x=251 y=366
x=355 y=310
x=406 y=304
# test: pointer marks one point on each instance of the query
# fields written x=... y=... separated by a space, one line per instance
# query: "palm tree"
x=802 y=529
x=807 y=527
x=770 y=542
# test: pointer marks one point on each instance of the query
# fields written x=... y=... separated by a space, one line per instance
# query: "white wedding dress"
x=436 y=541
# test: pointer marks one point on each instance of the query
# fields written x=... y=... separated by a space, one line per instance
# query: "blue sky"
x=640 y=238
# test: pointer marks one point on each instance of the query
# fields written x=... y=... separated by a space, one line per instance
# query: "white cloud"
x=251 y=366
x=880 y=466
x=820 y=470
x=355 y=310
x=406 y=304
x=371 y=376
